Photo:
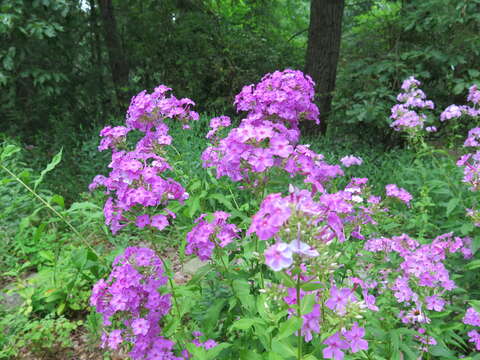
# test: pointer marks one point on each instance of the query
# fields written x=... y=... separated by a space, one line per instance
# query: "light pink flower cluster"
x=137 y=179
x=267 y=138
x=455 y=111
x=132 y=306
x=345 y=340
x=422 y=276
x=393 y=190
x=472 y=317
x=405 y=115
x=285 y=96
x=351 y=160
x=286 y=218
x=203 y=238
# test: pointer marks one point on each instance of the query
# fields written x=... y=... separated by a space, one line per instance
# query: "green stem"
x=174 y=296
x=299 y=315
x=51 y=208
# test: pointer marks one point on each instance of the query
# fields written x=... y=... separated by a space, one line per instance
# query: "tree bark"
x=323 y=49
x=117 y=59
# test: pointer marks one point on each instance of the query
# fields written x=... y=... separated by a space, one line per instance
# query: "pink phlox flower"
x=472 y=317
x=474 y=95
x=335 y=345
x=302 y=249
x=278 y=256
x=434 y=303
x=311 y=323
x=339 y=299
x=474 y=337
x=393 y=190
x=354 y=337
x=351 y=160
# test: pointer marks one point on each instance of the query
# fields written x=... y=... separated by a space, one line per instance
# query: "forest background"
x=68 y=68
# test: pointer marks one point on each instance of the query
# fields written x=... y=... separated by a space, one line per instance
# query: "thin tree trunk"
x=97 y=59
x=323 y=49
x=117 y=59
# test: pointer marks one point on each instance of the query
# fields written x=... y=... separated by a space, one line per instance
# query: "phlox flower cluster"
x=137 y=178
x=292 y=219
x=405 y=115
x=455 y=111
x=345 y=340
x=284 y=96
x=421 y=278
x=267 y=138
x=472 y=318
x=339 y=301
x=132 y=306
x=471 y=161
x=204 y=236
x=351 y=160
x=401 y=194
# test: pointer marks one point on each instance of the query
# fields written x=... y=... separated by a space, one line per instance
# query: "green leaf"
x=289 y=327
x=214 y=352
x=8 y=151
x=242 y=291
x=311 y=286
x=56 y=159
x=452 y=204
x=306 y=303
x=475 y=264
x=244 y=324
x=284 y=349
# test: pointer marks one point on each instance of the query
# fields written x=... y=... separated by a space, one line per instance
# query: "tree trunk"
x=323 y=49
x=117 y=59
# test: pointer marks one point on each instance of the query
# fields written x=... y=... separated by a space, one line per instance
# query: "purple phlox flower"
x=205 y=235
x=435 y=303
x=474 y=95
x=335 y=345
x=278 y=256
x=140 y=326
x=354 y=338
x=451 y=112
x=393 y=190
x=115 y=339
x=474 y=337
x=302 y=249
x=339 y=298
x=369 y=301
x=472 y=317
x=311 y=323
x=350 y=160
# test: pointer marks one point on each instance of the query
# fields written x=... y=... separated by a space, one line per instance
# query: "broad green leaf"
x=289 y=327
x=452 y=204
x=242 y=291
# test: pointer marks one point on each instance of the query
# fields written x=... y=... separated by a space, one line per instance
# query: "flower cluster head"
x=455 y=111
x=351 y=160
x=132 y=306
x=405 y=115
x=205 y=235
x=403 y=195
x=421 y=278
x=137 y=178
x=216 y=124
x=284 y=96
x=267 y=138
x=301 y=222
x=472 y=318
x=345 y=340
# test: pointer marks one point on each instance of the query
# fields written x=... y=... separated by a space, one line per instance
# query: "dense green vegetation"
x=67 y=71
